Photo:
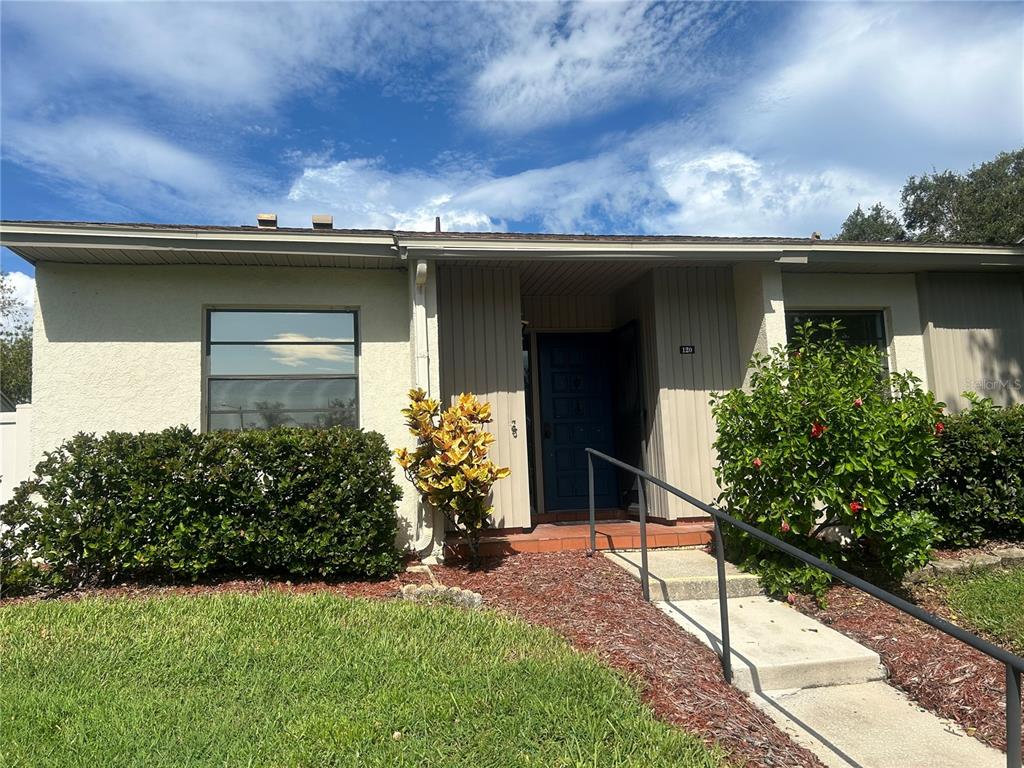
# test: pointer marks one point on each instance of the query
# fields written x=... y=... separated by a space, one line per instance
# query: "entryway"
x=576 y=412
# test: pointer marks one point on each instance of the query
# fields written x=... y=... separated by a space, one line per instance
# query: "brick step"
x=616 y=535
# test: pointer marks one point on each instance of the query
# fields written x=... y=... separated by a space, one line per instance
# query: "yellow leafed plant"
x=449 y=465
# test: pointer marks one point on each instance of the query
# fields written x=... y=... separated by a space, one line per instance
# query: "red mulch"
x=599 y=608
x=942 y=674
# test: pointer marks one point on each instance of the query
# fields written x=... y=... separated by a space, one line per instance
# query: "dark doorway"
x=629 y=408
x=576 y=413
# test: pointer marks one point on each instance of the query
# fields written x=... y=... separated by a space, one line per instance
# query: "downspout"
x=425 y=545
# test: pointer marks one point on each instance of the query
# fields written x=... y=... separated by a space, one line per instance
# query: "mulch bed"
x=599 y=608
x=942 y=674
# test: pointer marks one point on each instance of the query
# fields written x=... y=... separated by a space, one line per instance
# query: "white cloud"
x=568 y=61
x=123 y=163
x=24 y=291
x=647 y=185
x=728 y=192
x=214 y=55
x=900 y=87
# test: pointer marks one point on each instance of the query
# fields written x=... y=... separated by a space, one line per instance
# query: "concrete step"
x=685 y=574
x=777 y=647
x=874 y=726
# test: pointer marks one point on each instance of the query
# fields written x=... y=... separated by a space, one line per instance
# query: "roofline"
x=456 y=245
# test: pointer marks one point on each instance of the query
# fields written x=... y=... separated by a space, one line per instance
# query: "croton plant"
x=449 y=465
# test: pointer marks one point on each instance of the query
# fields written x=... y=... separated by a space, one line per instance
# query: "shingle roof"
x=471 y=236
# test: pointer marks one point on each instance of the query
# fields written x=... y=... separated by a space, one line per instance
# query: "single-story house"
x=613 y=342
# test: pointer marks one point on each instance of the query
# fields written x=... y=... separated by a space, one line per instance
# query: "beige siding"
x=694 y=306
x=569 y=313
x=481 y=352
x=974 y=335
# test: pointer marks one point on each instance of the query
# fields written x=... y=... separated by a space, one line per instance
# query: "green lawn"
x=278 y=680
x=992 y=602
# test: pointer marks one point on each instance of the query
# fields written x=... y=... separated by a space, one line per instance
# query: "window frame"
x=827 y=314
x=208 y=344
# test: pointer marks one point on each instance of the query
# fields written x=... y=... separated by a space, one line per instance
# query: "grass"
x=991 y=602
x=284 y=680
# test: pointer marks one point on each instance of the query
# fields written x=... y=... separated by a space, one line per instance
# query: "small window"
x=274 y=369
x=861 y=328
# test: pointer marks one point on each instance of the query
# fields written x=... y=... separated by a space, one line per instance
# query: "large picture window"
x=281 y=368
x=861 y=328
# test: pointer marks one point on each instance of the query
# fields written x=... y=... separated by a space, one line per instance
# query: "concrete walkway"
x=826 y=690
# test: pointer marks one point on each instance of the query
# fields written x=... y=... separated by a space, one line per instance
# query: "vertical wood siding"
x=974 y=335
x=480 y=338
x=569 y=313
x=693 y=306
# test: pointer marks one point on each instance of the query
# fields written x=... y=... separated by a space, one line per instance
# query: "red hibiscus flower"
x=784 y=527
x=939 y=428
x=757 y=462
x=858 y=403
x=856 y=506
x=817 y=430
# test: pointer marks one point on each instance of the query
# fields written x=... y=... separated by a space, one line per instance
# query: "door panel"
x=576 y=413
x=629 y=409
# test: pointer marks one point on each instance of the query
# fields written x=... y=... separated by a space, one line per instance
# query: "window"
x=290 y=368
x=862 y=328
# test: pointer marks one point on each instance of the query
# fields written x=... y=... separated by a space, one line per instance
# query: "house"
x=613 y=342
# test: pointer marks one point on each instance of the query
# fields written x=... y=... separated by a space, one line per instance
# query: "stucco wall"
x=760 y=311
x=895 y=294
x=121 y=347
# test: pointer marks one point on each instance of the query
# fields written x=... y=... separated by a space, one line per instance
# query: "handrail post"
x=593 y=516
x=645 y=580
x=723 y=602
x=1013 y=733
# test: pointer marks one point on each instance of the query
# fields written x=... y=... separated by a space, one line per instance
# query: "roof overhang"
x=95 y=243
x=118 y=244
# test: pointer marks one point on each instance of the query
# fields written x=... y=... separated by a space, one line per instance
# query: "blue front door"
x=576 y=413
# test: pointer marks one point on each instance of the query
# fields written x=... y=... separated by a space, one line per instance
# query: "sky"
x=677 y=118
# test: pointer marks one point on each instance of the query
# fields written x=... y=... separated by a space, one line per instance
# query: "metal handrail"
x=1014 y=664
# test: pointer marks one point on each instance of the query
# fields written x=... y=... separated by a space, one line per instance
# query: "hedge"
x=977 y=490
x=183 y=505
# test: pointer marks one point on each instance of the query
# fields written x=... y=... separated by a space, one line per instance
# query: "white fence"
x=15 y=449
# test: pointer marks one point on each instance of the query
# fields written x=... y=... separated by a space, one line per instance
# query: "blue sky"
x=744 y=119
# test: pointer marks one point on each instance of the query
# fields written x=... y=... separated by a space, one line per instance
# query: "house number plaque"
x=687 y=349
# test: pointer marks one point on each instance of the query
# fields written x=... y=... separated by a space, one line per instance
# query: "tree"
x=984 y=206
x=15 y=345
x=878 y=224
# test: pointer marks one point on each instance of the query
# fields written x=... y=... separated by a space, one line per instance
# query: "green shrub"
x=823 y=452
x=978 y=490
x=181 y=505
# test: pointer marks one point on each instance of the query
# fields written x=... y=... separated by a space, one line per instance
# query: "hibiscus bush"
x=825 y=451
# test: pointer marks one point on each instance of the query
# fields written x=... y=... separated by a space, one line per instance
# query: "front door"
x=576 y=413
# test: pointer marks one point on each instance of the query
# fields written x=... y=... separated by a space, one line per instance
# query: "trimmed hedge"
x=182 y=505
x=977 y=491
